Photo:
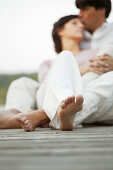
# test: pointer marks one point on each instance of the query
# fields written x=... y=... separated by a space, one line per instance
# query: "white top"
x=101 y=37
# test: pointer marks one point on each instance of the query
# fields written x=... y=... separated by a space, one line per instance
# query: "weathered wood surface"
x=88 y=148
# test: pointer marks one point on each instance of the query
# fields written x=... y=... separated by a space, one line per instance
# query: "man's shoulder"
x=105 y=30
x=110 y=23
x=108 y=29
x=107 y=26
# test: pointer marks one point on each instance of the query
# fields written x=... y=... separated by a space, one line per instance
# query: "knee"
x=19 y=82
x=66 y=54
x=24 y=83
x=65 y=57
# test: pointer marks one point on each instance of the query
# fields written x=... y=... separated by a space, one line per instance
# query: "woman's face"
x=73 y=30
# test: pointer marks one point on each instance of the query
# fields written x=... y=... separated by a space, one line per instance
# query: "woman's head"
x=69 y=27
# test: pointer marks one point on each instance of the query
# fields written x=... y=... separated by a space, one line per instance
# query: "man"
x=93 y=14
x=99 y=33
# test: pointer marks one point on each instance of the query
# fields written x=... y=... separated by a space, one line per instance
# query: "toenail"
x=27 y=121
x=28 y=126
x=23 y=119
x=18 y=119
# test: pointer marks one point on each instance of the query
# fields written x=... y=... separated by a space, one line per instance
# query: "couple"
x=75 y=75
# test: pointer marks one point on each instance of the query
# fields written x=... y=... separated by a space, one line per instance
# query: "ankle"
x=44 y=117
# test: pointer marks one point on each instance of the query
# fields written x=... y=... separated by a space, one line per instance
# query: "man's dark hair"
x=56 y=27
x=81 y=4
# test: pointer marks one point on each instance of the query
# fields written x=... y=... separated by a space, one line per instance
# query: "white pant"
x=21 y=95
x=62 y=81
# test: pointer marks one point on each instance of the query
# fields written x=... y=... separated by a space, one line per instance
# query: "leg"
x=21 y=94
x=98 y=105
x=12 y=119
x=20 y=97
x=8 y=119
x=62 y=81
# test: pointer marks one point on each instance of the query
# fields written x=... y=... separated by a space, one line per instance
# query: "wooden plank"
x=89 y=148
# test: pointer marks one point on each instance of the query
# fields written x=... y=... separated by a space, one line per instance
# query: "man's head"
x=93 y=12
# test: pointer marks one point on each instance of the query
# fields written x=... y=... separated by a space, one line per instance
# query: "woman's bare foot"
x=67 y=111
x=32 y=119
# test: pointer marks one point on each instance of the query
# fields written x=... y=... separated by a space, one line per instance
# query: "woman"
x=62 y=81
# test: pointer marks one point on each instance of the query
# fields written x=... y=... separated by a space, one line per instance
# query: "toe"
x=79 y=100
x=67 y=101
x=63 y=105
x=73 y=98
x=27 y=128
x=70 y=99
x=26 y=122
x=18 y=119
x=23 y=119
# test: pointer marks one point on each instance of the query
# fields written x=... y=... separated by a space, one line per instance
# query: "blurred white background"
x=25 y=32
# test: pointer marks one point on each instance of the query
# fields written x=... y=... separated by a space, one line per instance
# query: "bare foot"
x=32 y=119
x=67 y=111
x=8 y=119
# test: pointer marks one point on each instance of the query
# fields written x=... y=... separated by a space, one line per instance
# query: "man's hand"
x=88 y=68
x=102 y=64
x=99 y=65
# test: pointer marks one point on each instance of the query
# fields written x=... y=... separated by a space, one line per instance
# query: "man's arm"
x=99 y=65
x=103 y=63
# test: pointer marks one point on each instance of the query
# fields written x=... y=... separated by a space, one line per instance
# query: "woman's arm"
x=43 y=70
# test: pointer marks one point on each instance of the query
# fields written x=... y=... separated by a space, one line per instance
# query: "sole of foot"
x=67 y=111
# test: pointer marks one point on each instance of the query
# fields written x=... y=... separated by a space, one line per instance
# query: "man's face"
x=90 y=17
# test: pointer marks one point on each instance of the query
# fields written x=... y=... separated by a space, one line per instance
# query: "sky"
x=25 y=32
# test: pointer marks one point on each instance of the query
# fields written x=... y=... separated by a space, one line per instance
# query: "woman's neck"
x=71 y=45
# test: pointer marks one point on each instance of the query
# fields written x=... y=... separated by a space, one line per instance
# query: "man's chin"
x=86 y=26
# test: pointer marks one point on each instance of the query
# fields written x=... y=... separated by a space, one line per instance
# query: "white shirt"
x=101 y=37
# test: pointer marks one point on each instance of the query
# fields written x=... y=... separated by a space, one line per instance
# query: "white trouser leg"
x=22 y=94
x=58 y=85
x=98 y=104
x=62 y=81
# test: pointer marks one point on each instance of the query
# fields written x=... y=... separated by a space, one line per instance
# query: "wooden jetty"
x=88 y=148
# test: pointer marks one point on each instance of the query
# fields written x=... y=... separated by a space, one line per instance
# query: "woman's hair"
x=56 y=27
x=97 y=4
